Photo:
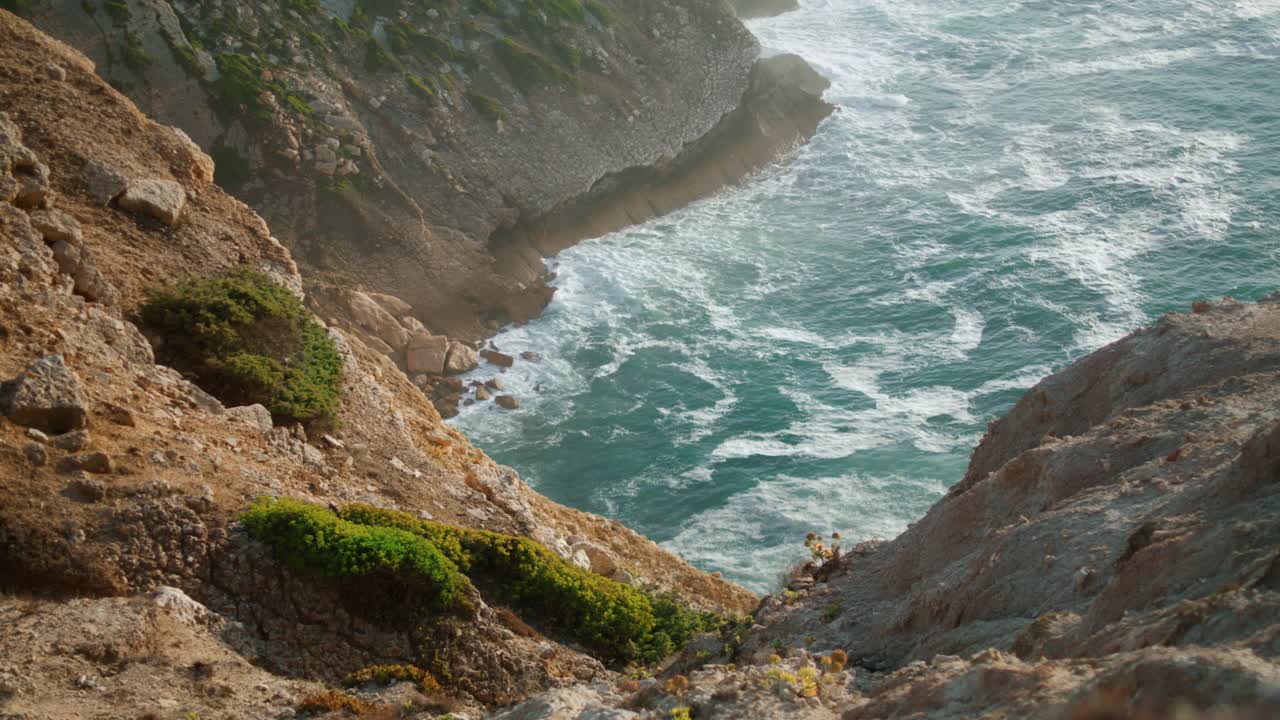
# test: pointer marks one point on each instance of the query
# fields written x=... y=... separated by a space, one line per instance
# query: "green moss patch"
x=313 y=540
x=615 y=620
x=246 y=340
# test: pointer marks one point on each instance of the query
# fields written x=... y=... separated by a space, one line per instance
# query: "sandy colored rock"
x=45 y=396
x=462 y=358
x=426 y=353
x=57 y=226
x=103 y=182
x=160 y=199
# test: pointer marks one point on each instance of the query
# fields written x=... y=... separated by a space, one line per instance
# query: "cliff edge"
x=1112 y=552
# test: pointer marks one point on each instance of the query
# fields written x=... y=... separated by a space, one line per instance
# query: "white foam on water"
x=771 y=520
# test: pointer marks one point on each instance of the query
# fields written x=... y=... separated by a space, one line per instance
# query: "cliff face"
x=434 y=150
x=1113 y=551
x=119 y=478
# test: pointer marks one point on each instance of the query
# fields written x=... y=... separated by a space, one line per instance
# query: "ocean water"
x=1007 y=185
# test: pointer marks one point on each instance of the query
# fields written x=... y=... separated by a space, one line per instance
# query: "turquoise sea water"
x=1007 y=186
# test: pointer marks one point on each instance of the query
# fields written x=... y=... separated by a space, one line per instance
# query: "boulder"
x=57 y=226
x=482 y=394
x=45 y=396
x=426 y=353
x=497 y=358
x=507 y=402
x=255 y=416
x=601 y=561
x=374 y=319
x=74 y=441
x=392 y=304
x=160 y=199
x=462 y=358
x=493 y=383
x=103 y=183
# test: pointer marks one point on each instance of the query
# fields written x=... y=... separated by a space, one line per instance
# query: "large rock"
x=498 y=358
x=24 y=180
x=375 y=320
x=56 y=225
x=103 y=182
x=427 y=353
x=462 y=358
x=46 y=396
x=160 y=199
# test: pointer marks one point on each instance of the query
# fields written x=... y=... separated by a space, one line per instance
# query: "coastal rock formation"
x=119 y=476
x=763 y=8
x=1113 y=548
x=435 y=152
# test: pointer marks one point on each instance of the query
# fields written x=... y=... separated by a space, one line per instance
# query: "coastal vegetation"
x=618 y=622
x=246 y=339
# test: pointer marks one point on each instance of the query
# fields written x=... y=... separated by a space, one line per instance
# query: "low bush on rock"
x=246 y=340
x=313 y=540
x=618 y=622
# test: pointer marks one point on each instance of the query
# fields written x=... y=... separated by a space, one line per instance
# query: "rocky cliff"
x=1113 y=551
x=435 y=151
x=121 y=482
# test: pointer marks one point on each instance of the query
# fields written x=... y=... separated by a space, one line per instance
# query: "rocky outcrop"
x=1112 y=551
x=144 y=490
x=436 y=153
x=763 y=8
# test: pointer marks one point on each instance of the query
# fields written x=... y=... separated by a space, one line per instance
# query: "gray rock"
x=46 y=396
x=36 y=454
x=255 y=416
x=74 y=441
x=160 y=199
x=103 y=182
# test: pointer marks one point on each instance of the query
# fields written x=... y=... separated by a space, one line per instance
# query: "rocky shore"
x=1113 y=550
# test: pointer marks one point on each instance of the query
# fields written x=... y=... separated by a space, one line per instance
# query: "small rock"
x=482 y=394
x=507 y=402
x=530 y=356
x=333 y=442
x=180 y=605
x=55 y=72
x=160 y=199
x=74 y=441
x=98 y=463
x=90 y=490
x=497 y=358
x=37 y=435
x=36 y=454
x=45 y=396
x=493 y=383
x=119 y=415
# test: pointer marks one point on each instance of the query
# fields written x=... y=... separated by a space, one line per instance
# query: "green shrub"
x=616 y=620
x=241 y=82
x=602 y=13
x=528 y=67
x=119 y=11
x=135 y=56
x=416 y=85
x=313 y=540
x=377 y=58
x=246 y=339
x=487 y=106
